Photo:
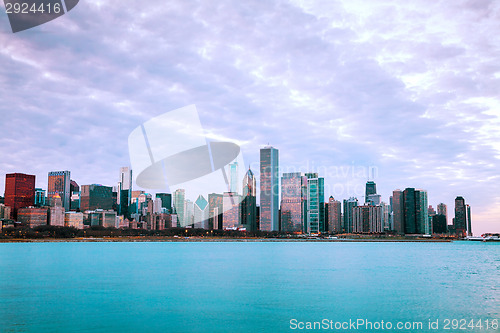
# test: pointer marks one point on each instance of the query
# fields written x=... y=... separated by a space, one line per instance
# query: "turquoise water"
x=243 y=287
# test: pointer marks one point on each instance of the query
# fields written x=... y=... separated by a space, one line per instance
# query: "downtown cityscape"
x=292 y=203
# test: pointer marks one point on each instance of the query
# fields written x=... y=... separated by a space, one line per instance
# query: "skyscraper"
x=315 y=203
x=179 y=199
x=469 y=222
x=19 y=191
x=349 y=204
x=231 y=207
x=293 y=199
x=460 y=221
x=398 y=211
x=201 y=212
x=59 y=184
x=422 y=213
x=233 y=174
x=96 y=197
x=124 y=191
x=334 y=216
x=442 y=210
x=249 y=202
x=166 y=201
x=269 y=189
x=215 y=205
x=370 y=189
x=39 y=197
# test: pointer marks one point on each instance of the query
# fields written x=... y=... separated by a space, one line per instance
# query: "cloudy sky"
x=409 y=90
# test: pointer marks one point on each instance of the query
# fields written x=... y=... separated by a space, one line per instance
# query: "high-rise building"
x=166 y=201
x=469 y=222
x=410 y=212
x=215 y=205
x=349 y=205
x=32 y=216
x=368 y=219
x=60 y=184
x=398 y=211
x=269 y=189
x=370 y=189
x=179 y=202
x=19 y=191
x=334 y=216
x=231 y=207
x=96 y=196
x=201 y=213
x=460 y=221
x=439 y=224
x=422 y=213
x=39 y=197
x=124 y=191
x=293 y=200
x=56 y=211
x=442 y=210
x=233 y=174
x=315 y=203
x=188 y=213
x=249 y=202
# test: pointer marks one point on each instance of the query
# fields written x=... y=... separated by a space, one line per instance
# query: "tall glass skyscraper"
x=315 y=203
x=460 y=221
x=124 y=195
x=233 y=174
x=59 y=185
x=293 y=199
x=249 y=202
x=269 y=189
x=179 y=202
x=349 y=205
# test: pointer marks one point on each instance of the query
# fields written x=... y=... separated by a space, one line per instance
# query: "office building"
x=96 y=196
x=368 y=219
x=166 y=201
x=439 y=224
x=349 y=205
x=460 y=221
x=370 y=190
x=215 y=205
x=398 y=211
x=19 y=191
x=249 y=202
x=124 y=191
x=334 y=216
x=469 y=222
x=233 y=175
x=179 y=203
x=39 y=197
x=73 y=219
x=201 y=212
x=315 y=204
x=269 y=189
x=231 y=208
x=59 y=183
x=32 y=216
x=293 y=202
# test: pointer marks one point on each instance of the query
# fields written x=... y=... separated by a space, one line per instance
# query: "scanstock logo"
x=26 y=14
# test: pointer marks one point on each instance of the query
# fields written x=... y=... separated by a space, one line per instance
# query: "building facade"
x=19 y=191
x=59 y=183
x=293 y=202
x=269 y=189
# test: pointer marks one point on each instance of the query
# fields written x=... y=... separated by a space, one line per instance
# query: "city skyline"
x=332 y=86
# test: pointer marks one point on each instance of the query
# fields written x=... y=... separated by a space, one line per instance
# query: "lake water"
x=244 y=286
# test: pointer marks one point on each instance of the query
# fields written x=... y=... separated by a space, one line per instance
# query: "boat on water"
x=484 y=238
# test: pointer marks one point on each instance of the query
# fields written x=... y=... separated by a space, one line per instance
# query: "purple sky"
x=412 y=90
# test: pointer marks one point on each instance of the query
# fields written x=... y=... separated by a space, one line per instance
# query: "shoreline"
x=214 y=239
